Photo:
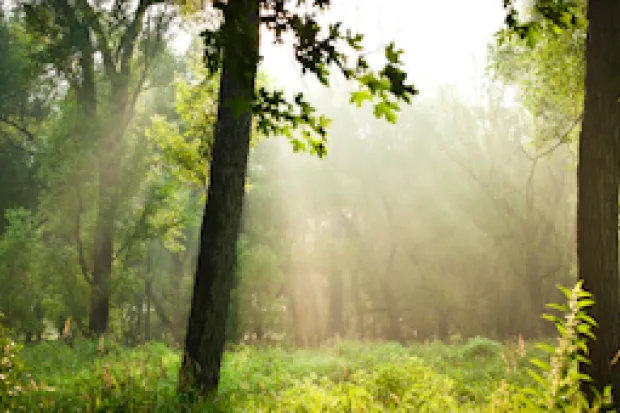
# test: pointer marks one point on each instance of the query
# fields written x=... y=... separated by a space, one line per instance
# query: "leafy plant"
x=10 y=369
x=560 y=378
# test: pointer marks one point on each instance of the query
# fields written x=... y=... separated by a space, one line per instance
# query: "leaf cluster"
x=316 y=50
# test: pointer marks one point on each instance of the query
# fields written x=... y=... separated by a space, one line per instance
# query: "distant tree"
x=128 y=39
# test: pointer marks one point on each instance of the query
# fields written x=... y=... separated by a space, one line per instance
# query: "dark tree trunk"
x=109 y=165
x=102 y=268
x=87 y=101
x=206 y=329
x=597 y=177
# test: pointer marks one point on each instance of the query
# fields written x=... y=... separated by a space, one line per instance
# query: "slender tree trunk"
x=358 y=303
x=336 y=303
x=597 y=176
x=393 y=331
x=109 y=153
x=204 y=343
x=148 y=295
x=87 y=101
x=532 y=274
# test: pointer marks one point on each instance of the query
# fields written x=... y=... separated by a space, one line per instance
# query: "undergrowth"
x=478 y=375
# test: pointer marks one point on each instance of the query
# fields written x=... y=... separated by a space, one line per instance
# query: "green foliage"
x=558 y=375
x=22 y=286
x=553 y=15
x=317 y=52
x=482 y=347
x=351 y=376
x=11 y=369
x=544 y=57
x=561 y=376
x=259 y=277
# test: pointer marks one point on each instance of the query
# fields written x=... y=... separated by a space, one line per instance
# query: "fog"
x=447 y=223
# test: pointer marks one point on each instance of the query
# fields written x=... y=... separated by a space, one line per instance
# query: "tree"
x=597 y=179
x=597 y=175
x=24 y=104
x=235 y=46
x=128 y=40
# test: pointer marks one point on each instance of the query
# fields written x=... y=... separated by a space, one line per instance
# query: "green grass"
x=350 y=376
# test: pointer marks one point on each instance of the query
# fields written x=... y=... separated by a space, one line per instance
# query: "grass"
x=349 y=376
x=480 y=375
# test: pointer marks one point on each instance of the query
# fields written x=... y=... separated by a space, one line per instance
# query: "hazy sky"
x=445 y=41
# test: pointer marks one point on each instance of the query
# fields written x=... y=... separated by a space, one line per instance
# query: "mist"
x=448 y=223
x=423 y=247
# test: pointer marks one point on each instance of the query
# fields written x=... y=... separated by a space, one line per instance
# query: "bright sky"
x=445 y=41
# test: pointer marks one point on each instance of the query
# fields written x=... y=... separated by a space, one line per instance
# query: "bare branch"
x=19 y=128
x=561 y=140
x=101 y=36
x=128 y=40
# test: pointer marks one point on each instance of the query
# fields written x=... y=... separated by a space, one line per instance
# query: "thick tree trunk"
x=597 y=175
x=204 y=343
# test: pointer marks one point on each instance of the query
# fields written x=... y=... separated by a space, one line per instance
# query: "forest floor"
x=477 y=375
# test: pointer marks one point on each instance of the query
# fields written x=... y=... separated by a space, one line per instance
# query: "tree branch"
x=561 y=140
x=19 y=128
x=128 y=39
x=100 y=35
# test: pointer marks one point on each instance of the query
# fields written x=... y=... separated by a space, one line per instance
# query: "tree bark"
x=597 y=176
x=204 y=343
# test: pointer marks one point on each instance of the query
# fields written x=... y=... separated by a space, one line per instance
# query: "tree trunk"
x=148 y=295
x=597 y=176
x=87 y=101
x=336 y=303
x=102 y=268
x=358 y=304
x=206 y=329
x=393 y=332
x=533 y=280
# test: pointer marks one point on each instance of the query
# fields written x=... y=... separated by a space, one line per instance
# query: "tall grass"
x=477 y=375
